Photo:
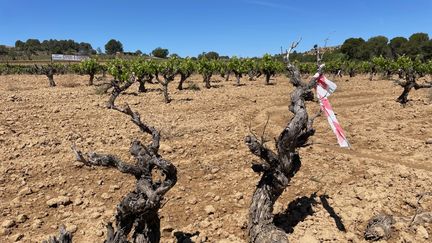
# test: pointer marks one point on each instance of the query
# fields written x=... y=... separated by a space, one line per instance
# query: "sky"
x=243 y=28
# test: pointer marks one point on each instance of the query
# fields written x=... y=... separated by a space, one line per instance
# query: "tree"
x=398 y=46
x=89 y=67
x=211 y=55
x=3 y=50
x=416 y=44
x=113 y=46
x=19 y=44
x=354 y=49
x=378 y=46
x=138 y=53
x=160 y=52
x=85 y=49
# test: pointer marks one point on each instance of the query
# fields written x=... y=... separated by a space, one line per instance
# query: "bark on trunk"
x=165 y=93
x=51 y=80
x=141 y=87
x=64 y=237
x=91 y=79
x=267 y=78
x=207 y=81
x=238 y=77
x=183 y=78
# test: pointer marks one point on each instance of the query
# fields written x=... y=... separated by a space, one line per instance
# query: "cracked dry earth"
x=331 y=199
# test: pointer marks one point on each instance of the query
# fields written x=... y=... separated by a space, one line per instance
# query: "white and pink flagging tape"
x=324 y=89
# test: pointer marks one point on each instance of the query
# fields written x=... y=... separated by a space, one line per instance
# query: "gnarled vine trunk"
x=279 y=167
x=207 y=80
x=91 y=79
x=267 y=78
x=183 y=78
x=138 y=210
x=408 y=85
x=50 y=77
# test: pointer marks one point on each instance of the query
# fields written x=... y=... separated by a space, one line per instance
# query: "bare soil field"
x=331 y=198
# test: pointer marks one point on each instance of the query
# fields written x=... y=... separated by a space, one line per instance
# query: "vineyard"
x=213 y=150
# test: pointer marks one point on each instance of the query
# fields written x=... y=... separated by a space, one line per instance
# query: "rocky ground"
x=331 y=199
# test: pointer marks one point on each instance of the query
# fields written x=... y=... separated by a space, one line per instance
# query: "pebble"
x=209 y=209
x=422 y=233
x=166 y=230
x=307 y=238
x=8 y=223
x=61 y=200
x=37 y=224
x=22 y=218
x=193 y=201
x=429 y=141
x=4 y=232
x=105 y=196
x=17 y=237
x=71 y=228
x=25 y=191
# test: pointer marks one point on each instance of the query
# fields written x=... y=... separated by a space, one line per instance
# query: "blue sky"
x=230 y=27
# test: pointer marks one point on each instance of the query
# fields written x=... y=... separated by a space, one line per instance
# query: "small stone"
x=217 y=198
x=22 y=218
x=105 y=196
x=214 y=170
x=429 y=141
x=25 y=191
x=193 y=201
x=165 y=148
x=37 y=224
x=95 y=215
x=8 y=223
x=17 y=237
x=61 y=200
x=78 y=164
x=166 y=230
x=422 y=233
x=307 y=238
x=4 y=232
x=71 y=228
x=78 y=202
x=238 y=196
x=114 y=187
x=209 y=209
x=99 y=233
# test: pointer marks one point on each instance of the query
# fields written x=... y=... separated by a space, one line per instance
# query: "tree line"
x=418 y=45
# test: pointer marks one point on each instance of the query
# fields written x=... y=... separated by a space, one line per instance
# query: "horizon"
x=243 y=28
